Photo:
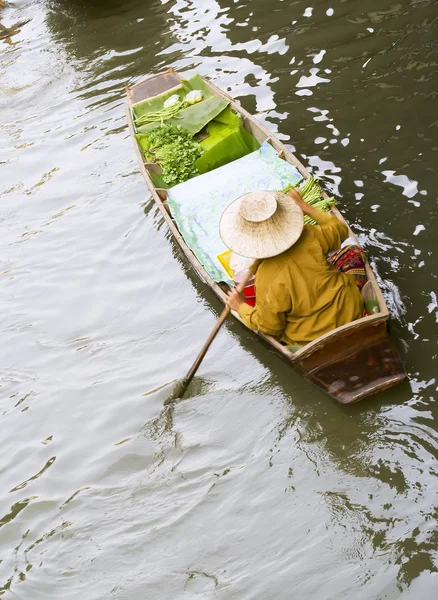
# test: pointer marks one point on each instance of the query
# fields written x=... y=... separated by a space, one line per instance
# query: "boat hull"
x=350 y=363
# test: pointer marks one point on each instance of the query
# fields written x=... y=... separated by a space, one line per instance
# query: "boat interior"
x=237 y=156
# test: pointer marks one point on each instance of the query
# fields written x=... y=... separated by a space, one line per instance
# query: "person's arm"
x=272 y=305
x=331 y=231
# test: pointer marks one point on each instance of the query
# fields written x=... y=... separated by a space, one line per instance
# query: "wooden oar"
x=184 y=383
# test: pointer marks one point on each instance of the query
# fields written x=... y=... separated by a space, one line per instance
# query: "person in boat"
x=300 y=295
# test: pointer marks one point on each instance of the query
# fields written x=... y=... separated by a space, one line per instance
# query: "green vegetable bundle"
x=175 y=150
x=324 y=205
x=310 y=192
x=161 y=115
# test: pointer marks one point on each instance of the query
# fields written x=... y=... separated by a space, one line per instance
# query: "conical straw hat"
x=261 y=224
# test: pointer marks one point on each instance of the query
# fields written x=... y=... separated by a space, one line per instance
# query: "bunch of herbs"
x=175 y=150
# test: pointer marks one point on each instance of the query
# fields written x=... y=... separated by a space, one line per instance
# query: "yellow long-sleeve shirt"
x=301 y=296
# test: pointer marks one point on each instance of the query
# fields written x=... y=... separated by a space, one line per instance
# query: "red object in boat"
x=250 y=294
x=249 y=290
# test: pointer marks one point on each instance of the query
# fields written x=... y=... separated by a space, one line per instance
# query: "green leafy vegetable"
x=176 y=151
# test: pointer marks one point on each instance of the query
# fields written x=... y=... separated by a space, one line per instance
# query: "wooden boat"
x=349 y=363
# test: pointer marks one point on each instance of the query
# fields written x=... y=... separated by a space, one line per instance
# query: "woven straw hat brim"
x=265 y=238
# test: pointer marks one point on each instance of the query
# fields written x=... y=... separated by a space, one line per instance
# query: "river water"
x=257 y=486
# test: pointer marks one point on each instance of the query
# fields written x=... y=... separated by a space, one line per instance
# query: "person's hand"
x=233 y=299
x=298 y=199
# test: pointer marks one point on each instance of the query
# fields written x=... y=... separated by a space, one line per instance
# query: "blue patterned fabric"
x=197 y=204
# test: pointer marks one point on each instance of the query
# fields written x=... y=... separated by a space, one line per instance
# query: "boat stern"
x=357 y=363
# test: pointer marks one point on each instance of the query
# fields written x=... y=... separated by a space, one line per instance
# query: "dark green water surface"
x=257 y=487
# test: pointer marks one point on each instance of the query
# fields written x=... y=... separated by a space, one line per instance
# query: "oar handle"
x=188 y=378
